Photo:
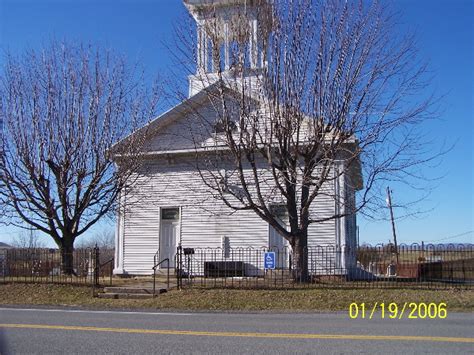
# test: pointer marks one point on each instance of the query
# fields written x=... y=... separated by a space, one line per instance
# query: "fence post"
x=94 y=257
x=4 y=264
x=97 y=265
x=168 y=275
x=111 y=271
x=92 y=268
x=179 y=276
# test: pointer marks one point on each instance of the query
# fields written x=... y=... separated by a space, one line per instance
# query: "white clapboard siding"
x=187 y=131
x=204 y=220
x=140 y=239
x=173 y=181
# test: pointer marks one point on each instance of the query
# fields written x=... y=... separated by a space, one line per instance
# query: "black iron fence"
x=384 y=266
x=89 y=266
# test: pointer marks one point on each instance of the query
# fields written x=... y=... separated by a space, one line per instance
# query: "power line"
x=454 y=236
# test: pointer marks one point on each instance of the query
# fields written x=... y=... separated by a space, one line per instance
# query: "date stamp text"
x=410 y=310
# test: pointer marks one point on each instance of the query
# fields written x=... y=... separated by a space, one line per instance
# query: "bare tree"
x=28 y=239
x=306 y=93
x=104 y=240
x=63 y=107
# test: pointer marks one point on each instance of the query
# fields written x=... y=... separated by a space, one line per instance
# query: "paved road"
x=94 y=332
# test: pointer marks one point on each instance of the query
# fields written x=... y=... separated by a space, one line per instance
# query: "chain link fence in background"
x=384 y=266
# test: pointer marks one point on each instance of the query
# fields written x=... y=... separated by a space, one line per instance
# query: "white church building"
x=172 y=207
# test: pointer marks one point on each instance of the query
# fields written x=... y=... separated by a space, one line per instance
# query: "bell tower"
x=230 y=38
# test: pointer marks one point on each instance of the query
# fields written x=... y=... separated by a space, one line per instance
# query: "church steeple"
x=230 y=34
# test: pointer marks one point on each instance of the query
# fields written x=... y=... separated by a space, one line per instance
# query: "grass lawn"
x=233 y=300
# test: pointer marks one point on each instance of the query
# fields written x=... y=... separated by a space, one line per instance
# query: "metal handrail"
x=107 y=262
x=167 y=260
x=111 y=270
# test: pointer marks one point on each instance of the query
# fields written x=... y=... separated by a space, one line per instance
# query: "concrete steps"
x=129 y=296
x=132 y=292
x=139 y=287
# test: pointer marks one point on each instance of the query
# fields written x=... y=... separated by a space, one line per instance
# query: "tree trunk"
x=67 y=258
x=300 y=258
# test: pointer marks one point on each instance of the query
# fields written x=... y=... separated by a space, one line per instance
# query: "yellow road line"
x=246 y=335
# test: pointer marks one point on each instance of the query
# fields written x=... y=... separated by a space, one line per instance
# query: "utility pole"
x=389 y=202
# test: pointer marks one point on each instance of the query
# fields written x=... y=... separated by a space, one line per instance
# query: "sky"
x=138 y=29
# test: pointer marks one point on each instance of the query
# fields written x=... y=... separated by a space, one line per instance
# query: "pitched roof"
x=176 y=112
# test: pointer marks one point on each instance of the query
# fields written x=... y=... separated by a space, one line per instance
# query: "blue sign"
x=269 y=260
